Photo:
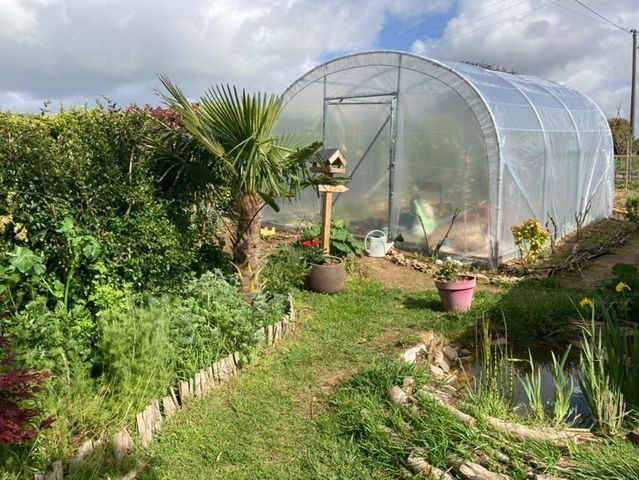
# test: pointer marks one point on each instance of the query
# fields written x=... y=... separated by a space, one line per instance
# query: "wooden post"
x=327 y=212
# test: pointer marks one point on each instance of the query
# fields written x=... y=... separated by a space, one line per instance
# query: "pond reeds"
x=532 y=385
x=564 y=388
x=493 y=389
x=602 y=372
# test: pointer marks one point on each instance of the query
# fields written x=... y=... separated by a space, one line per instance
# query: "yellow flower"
x=586 y=302
x=621 y=287
x=11 y=202
x=20 y=232
x=5 y=220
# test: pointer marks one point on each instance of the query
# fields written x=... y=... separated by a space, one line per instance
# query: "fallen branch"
x=446 y=400
x=578 y=257
x=472 y=471
x=561 y=438
x=420 y=466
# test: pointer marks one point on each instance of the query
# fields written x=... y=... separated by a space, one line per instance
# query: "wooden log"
x=270 y=335
x=57 y=471
x=561 y=438
x=197 y=384
x=191 y=387
x=237 y=358
x=230 y=364
x=279 y=334
x=222 y=374
x=399 y=397
x=204 y=382
x=446 y=401
x=122 y=444
x=183 y=390
x=156 y=416
x=174 y=397
x=38 y=476
x=83 y=452
x=145 y=432
x=285 y=326
x=420 y=466
x=471 y=470
x=135 y=472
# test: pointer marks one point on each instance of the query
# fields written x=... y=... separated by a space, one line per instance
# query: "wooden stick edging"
x=149 y=421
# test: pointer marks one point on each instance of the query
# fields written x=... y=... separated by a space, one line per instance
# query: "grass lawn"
x=274 y=420
x=271 y=421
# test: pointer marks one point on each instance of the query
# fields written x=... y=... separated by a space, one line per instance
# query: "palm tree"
x=236 y=132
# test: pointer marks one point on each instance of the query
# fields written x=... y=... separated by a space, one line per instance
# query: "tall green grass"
x=600 y=383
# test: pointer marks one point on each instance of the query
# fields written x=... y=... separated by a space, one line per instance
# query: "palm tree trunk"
x=247 y=241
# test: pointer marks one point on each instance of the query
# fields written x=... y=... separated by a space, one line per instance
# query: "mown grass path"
x=274 y=420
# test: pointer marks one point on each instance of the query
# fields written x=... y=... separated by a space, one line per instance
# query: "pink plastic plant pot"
x=456 y=296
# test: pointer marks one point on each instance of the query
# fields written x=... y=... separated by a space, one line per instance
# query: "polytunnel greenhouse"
x=425 y=138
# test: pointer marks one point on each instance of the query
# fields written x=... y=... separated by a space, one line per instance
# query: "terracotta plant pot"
x=329 y=277
x=456 y=296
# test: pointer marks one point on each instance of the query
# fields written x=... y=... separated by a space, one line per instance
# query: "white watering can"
x=375 y=244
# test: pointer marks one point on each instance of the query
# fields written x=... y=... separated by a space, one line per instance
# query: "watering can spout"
x=376 y=245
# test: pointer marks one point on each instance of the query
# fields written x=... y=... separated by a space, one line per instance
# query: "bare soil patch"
x=601 y=267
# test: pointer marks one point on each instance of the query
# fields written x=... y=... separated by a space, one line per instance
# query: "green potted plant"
x=327 y=274
x=455 y=289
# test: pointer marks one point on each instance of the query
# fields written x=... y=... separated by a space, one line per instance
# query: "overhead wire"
x=579 y=2
x=585 y=15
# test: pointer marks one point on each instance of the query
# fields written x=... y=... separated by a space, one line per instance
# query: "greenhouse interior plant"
x=327 y=272
x=455 y=289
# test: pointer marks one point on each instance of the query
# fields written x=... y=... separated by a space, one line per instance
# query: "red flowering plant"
x=312 y=251
x=18 y=388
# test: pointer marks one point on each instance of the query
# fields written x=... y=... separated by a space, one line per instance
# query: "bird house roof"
x=332 y=156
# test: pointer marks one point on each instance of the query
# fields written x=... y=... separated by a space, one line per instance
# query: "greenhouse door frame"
x=389 y=99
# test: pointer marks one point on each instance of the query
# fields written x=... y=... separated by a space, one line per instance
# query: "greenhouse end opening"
x=424 y=138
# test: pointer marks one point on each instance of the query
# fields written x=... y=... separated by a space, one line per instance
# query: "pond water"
x=580 y=415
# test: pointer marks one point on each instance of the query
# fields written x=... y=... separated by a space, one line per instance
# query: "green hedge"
x=91 y=165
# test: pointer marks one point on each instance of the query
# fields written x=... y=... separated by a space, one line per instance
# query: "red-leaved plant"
x=18 y=387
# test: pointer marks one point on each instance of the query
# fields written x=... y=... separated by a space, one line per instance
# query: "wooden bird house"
x=329 y=161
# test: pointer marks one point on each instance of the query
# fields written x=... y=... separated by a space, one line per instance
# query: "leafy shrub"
x=50 y=338
x=284 y=270
x=530 y=238
x=93 y=166
x=632 y=208
x=211 y=319
x=343 y=244
x=269 y=309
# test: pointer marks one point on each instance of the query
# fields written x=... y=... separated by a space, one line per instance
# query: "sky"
x=74 y=51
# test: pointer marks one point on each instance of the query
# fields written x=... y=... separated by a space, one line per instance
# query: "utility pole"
x=633 y=86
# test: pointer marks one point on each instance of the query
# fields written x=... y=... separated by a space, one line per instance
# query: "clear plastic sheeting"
x=424 y=139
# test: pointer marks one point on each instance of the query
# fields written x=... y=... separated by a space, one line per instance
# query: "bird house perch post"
x=330 y=161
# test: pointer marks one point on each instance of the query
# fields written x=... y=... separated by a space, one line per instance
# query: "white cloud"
x=77 y=50
x=554 y=40
x=80 y=49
